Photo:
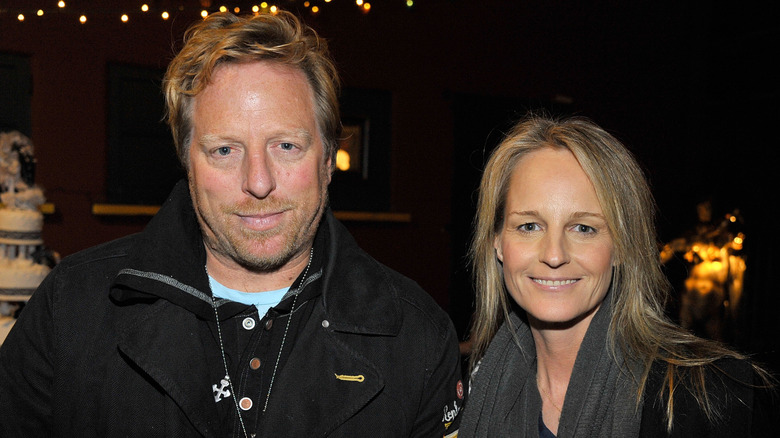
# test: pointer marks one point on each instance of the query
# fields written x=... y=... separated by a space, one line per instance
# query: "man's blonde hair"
x=226 y=38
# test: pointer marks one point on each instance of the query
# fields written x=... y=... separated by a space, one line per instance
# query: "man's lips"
x=261 y=221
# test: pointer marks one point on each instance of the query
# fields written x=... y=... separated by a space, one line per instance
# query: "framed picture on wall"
x=142 y=162
x=15 y=94
x=361 y=181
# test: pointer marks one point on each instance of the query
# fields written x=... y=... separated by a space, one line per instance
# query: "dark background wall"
x=688 y=86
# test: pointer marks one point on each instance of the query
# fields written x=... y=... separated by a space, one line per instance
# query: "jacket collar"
x=168 y=261
x=359 y=296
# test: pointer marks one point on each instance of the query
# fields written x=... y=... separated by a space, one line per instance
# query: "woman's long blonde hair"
x=639 y=289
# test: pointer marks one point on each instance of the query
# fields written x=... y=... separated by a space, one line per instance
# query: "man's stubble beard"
x=237 y=243
x=300 y=234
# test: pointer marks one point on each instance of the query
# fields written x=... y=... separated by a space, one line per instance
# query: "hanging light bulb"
x=204 y=13
x=144 y=8
x=40 y=12
x=124 y=18
x=20 y=17
x=165 y=15
x=83 y=19
x=61 y=4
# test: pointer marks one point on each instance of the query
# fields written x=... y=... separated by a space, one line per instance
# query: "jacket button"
x=245 y=403
x=248 y=323
x=269 y=324
x=254 y=363
x=325 y=323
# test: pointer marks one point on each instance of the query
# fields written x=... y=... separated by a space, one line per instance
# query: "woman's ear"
x=497 y=246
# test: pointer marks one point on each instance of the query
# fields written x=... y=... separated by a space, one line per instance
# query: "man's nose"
x=259 y=178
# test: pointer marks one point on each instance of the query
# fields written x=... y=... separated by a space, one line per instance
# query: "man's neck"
x=234 y=276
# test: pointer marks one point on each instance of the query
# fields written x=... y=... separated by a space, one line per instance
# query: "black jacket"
x=112 y=344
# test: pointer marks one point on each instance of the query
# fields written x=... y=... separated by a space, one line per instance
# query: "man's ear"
x=330 y=166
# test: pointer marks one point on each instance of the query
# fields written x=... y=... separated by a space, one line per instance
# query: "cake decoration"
x=24 y=260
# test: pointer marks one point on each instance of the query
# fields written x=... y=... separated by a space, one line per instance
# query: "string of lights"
x=62 y=8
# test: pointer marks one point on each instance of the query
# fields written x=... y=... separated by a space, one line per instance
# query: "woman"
x=565 y=228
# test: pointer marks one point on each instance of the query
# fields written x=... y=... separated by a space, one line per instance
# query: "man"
x=244 y=308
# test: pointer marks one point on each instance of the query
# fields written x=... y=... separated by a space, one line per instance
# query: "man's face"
x=257 y=172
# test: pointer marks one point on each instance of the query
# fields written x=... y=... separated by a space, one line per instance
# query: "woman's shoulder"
x=741 y=402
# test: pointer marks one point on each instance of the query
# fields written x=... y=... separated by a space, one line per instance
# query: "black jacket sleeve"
x=439 y=414
x=27 y=367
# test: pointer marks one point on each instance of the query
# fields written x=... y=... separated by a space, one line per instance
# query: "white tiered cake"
x=24 y=263
x=20 y=238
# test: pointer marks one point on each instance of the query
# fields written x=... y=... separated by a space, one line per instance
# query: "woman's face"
x=555 y=247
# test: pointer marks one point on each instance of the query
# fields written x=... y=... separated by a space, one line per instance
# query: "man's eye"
x=224 y=150
x=287 y=146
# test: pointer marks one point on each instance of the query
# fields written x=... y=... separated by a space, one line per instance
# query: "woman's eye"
x=584 y=229
x=527 y=227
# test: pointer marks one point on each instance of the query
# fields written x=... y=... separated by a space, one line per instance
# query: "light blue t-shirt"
x=262 y=300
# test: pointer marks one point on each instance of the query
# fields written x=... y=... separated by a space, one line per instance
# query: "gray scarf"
x=504 y=400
